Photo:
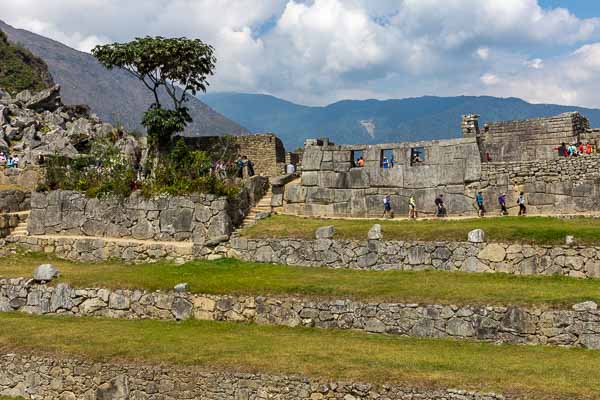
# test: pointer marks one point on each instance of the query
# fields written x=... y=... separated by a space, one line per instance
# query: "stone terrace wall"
x=102 y=249
x=61 y=378
x=12 y=200
x=531 y=139
x=561 y=185
x=199 y=218
x=579 y=326
x=517 y=259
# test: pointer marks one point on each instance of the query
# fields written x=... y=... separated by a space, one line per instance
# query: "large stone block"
x=295 y=193
x=311 y=159
x=334 y=180
x=310 y=178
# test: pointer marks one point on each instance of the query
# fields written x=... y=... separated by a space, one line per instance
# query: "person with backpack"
x=387 y=207
x=479 y=201
x=439 y=204
x=502 y=202
x=412 y=207
x=521 y=203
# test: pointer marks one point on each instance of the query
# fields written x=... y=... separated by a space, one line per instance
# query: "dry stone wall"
x=531 y=139
x=27 y=178
x=8 y=222
x=102 y=249
x=579 y=326
x=35 y=377
x=13 y=200
x=198 y=218
x=575 y=261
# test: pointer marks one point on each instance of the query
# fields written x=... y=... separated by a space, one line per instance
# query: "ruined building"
x=509 y=156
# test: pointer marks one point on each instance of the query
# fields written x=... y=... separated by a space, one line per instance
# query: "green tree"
x=179 y=66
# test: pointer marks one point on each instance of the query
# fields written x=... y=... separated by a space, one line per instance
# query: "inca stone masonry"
x=508 y=157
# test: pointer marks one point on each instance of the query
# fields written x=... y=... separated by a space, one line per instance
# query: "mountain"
x=116 y=96
x=375 y=121
x=20 y=70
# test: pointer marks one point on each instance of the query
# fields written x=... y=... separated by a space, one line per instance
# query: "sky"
x=316 y=52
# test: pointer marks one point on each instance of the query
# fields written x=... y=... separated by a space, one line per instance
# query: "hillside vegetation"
x=20 y=70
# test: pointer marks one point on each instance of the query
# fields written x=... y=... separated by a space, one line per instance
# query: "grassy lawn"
x=538 y=230
x=237 y=277
x=330 y=354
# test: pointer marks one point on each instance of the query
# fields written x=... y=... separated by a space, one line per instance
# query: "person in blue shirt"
x=386 y=163
x=479 y=201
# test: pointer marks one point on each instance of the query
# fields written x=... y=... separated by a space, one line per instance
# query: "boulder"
x=375 y=233
x=586 y=306
x=476 y=236
x=45 y=273
x=48 y=99
x=181 y=287
x=325 y=232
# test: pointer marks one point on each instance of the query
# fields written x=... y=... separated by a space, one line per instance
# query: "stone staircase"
x=262 y=207
x=21 y=229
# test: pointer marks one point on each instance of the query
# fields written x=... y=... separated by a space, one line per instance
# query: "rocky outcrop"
x=575 y=261
x=38 y=124
x=578 y=326
x=68 y=378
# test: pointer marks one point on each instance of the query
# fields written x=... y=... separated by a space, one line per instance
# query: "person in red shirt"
x=580 y=148
x=588 y=149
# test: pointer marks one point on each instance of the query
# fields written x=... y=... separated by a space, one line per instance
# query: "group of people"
x=242 y=167
x=574 y=150
x=440 y=206
x=9 y=161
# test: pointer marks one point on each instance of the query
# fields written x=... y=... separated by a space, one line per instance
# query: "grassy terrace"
x=237 y=277
x=538 y=230
x=330 y=354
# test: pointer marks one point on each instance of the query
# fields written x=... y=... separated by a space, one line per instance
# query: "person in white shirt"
x=290 y=168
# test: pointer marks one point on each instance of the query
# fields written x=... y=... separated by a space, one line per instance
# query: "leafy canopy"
x=180 y=66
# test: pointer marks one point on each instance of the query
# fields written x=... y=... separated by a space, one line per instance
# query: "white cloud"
x=483 y=53
x=320 y=51
x=489 y=79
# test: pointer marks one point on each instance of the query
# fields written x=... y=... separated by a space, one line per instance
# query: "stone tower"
x=470 y=125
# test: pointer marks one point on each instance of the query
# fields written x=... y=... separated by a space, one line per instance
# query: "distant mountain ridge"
x=116 y=96
x=376 y=121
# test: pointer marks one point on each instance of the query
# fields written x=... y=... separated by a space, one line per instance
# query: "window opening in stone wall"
x=387 y=158
x=417 y=155
x=357 y=158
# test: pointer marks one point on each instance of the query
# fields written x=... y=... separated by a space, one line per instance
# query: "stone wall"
x=332 y=186
x=579 y=326
x=13 y=200
x=36 y=377
x=102 y=249
x=531 y=139
x=266 y=150
x=199 y=218
x=575 y=261
x=509 y=156
x=563 y=185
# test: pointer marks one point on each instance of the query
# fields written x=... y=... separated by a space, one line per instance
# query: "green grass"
x=245 y=278
x=19 y=69
x=330 y=354
x=533 y=230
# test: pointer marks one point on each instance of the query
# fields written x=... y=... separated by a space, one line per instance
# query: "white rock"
x=586 y=306
x=569 y=240
x=181 y=287
x=375 y=232
x=45 y=273
x=476 y=236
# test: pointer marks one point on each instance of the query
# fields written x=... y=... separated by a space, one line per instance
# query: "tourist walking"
x=440 y=207
x=412 y=207
x=387 y=207
x=240 y=163
x=479 y=201
x=521 y=203
x=249 y=167
x=502 y=202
